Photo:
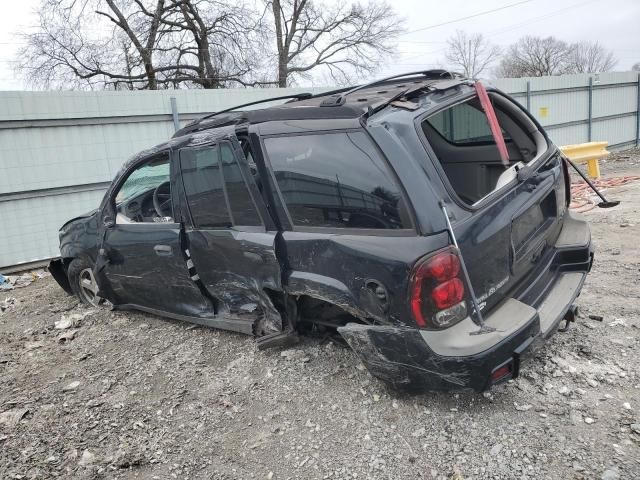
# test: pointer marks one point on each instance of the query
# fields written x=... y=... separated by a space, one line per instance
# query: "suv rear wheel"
x=83 y=282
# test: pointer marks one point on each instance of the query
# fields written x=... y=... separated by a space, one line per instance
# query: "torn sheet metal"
x=400 y=357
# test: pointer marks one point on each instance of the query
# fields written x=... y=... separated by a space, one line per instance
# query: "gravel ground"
x=137 y=396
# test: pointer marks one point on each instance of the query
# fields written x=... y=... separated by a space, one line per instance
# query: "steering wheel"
x=162 y=200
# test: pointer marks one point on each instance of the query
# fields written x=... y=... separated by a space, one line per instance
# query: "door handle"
x=163 y=250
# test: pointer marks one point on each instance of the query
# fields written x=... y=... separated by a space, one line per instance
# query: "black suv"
x=424 y=217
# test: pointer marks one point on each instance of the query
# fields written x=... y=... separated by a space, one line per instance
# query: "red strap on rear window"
x=487 y=106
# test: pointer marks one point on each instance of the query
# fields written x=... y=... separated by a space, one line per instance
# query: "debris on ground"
x=67 y=336
x=9 y=282
x=583 y=198
x=7 y=303
x=72 y=320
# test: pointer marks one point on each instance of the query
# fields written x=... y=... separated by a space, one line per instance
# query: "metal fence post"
x=174 y=114
x=590 y=128
x=529 y=95
x=638 y=115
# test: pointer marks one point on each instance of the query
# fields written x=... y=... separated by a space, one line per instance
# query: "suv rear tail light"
x=436 y=292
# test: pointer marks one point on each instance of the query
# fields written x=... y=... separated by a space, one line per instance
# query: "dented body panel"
x=346 y=270
x=236 y=268
x=274 y=276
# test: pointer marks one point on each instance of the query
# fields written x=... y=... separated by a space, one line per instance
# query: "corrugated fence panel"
x=30 y=226
x=560 y=107
x=567 y=135
x=50 y=157
x=614 y=100
x=616 y=131
x=69 y=105
x=74 y=142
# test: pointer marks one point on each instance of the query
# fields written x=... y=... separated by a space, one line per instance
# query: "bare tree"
x=344 y=39
x=141 y=44
x=471 y=53
x=535 y=57
x=144 y=46
x=636 y=67
x=214 y=43
x=74 y=48
x=590 y=57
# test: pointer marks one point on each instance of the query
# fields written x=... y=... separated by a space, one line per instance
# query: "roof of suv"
x=350 y=102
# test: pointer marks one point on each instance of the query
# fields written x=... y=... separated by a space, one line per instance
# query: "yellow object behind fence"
x=588 y=153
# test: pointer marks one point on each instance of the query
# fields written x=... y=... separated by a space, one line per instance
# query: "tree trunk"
x=282 y=72
x=283 y=52
x=150 y=71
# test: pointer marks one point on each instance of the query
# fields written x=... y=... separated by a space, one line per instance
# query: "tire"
x=83 y=283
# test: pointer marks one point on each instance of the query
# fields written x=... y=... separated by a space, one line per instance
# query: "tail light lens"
x=437 y=293
x=448 y=294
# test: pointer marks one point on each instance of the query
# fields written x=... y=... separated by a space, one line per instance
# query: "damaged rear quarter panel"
x=341 y=269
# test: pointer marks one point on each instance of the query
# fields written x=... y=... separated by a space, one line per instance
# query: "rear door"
x=231 y=249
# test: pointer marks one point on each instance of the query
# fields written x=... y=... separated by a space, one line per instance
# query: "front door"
x=233 y=251
x=146 y=260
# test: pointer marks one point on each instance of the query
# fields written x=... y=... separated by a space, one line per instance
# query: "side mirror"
x=108 y=222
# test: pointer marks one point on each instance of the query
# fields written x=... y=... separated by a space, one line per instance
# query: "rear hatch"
x=511 y=240
x=510 y=185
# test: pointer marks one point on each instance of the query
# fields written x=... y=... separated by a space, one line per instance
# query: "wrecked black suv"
x=424 y=217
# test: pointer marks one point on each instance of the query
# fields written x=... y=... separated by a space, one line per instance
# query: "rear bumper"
x=465 y=356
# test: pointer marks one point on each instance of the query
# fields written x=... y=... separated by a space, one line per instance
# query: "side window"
x=145 y=196
x=465 y=123
x=204 y=188
x=336 y=180
x=243 y=209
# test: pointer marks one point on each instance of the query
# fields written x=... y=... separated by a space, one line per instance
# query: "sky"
x=613 y=23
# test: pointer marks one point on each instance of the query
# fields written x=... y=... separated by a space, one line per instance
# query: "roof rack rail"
x=339 y=97
x=296 y=96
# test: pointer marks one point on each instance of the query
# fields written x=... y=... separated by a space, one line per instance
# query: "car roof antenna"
x=604 y=203
x=478 y=320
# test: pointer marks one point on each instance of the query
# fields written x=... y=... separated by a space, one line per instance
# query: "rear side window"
x=336 y=180
x=242 y=207
x=203 y=187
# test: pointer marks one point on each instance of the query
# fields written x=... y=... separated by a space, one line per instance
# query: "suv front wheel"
x=83 y=282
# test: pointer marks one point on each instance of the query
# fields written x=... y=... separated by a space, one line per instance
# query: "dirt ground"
x=137 y=396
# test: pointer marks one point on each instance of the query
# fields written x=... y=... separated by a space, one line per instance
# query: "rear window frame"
x=400 y=232
x=495 y=195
